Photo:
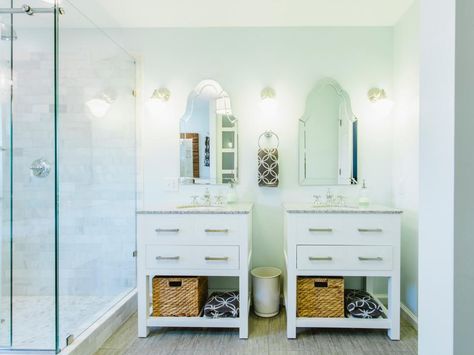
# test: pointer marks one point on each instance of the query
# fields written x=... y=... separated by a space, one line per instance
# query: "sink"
x=336 y=207
x=200 y=207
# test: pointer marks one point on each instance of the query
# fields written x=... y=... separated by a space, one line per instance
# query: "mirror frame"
x=345 y=114
x=193 y=95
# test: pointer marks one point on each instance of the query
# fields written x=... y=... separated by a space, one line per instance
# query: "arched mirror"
x=328 y=137
x=208 y=137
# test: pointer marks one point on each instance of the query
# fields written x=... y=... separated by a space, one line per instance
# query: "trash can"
x=266 y=291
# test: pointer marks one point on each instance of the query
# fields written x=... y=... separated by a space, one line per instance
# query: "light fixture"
x=7 y=33
x=6 y=81
x=161 y=94
x=269 y=104
x=158 y=99
x=223 y=105
x=100 y=105
x=380 y=102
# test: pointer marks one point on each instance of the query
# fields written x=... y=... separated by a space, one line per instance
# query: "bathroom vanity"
x=342 y=241
x=194 y=241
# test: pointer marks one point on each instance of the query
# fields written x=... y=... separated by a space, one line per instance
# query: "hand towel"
x=268 y=168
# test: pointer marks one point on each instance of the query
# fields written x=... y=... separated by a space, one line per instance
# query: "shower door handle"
x=40 y=168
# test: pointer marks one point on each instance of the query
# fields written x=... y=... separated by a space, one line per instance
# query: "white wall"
x=436 y=224
x=243 y=61
x=406 y=147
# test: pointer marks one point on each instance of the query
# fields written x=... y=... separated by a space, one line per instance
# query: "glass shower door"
x=5 y=161
x=28 y=195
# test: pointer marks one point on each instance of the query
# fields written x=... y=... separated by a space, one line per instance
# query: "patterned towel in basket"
x=361 y=304
x=222 y=305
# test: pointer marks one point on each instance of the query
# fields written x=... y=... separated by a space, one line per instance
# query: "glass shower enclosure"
x=67 y=198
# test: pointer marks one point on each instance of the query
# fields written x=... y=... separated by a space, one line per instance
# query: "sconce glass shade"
x=157 y=100
x=269 y=104
x=161 y=94
x=100 y=106
x=267 y=93
x=223 y=105
x=381 y=104
x=7 y=33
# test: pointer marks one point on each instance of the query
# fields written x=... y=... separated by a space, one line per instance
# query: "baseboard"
x=409 y=316
x=92 y=339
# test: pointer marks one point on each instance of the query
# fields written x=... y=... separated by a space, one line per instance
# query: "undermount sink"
x=336 y=207
x=200 y=207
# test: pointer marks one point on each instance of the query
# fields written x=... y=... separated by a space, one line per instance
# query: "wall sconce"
x=100 y=105
x=158 y=99
x=161 y=94
x=379 y=100
x=269 y=104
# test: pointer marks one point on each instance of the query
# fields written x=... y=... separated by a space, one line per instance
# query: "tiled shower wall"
x=96 y=172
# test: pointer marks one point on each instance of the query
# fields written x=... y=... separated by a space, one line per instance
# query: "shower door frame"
x=55 y=10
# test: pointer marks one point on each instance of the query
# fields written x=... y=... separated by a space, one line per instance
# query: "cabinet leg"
x=143 y=292
x=291 y=306
x=244 y=306
x=244 y=332
x=394 y=307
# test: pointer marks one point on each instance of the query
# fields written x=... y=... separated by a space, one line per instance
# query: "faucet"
x=207 y=197
x=329 y=197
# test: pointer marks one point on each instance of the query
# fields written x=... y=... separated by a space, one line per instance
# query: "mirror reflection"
x=208 y=137
x=328 y=137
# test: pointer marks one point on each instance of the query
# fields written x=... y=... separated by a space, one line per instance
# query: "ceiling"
x=241 y=13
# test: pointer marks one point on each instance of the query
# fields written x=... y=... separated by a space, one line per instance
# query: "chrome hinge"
x=340 y=171
x=134 y=254
x=134 y=92
x=69 y=339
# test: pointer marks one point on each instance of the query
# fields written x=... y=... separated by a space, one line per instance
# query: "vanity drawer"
x=220 y=228
x=165 y=228
x=179 y=257
x=373 y=258
x=343 y=229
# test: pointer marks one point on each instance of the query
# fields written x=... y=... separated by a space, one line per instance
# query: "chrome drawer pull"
x=171 y=230
x=378 y=258
x=320 y=258
x=328 y=230
x=167 y=258
x=211 y=258
x=216 y=230
x=370 y=230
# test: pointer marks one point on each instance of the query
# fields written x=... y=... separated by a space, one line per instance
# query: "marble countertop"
x=235 y=208
x=309 y=208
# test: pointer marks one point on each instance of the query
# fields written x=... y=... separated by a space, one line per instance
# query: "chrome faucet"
x=329 y=197
x=207 y=197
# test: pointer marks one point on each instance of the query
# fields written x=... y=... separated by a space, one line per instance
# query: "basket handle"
x=175 y=283
x=321 y=284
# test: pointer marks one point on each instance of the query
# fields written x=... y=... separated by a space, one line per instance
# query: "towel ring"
x=268 y=134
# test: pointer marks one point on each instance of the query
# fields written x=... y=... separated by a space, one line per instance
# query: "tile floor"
x=34 y=318
x=267 y=336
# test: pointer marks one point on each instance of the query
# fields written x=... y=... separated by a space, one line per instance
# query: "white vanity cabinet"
x=194 y=242
x=342 y=242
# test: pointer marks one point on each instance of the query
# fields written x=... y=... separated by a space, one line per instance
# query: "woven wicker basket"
x=179 y=296
x=320 y=297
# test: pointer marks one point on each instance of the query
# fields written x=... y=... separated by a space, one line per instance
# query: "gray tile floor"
x=267 y=336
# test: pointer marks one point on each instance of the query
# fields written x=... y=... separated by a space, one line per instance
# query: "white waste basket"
x=266 y=291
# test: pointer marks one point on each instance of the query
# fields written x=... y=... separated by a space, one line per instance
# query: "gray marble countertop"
x=235 y=208
x=309 y=208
